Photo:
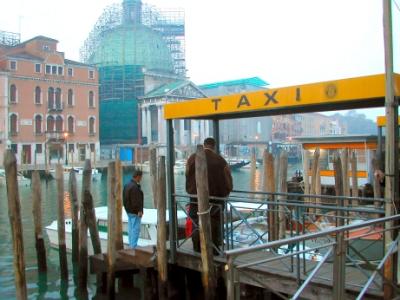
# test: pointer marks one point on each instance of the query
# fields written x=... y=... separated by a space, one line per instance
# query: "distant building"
x=316 y=124
x=241 y=130
x=49 y=103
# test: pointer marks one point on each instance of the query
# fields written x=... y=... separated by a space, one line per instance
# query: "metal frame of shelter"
x=350 y=93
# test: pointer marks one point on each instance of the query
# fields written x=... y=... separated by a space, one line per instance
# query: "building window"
x=70 y=97
x=38 y=95
x=38 y=124
x=58 y=99
x=50 y=98
x=54 y=70
x=91 y=125
x=46 y=48
x=48 y=69
x=50 y=124
x=92 y=147
x=13 y=65
x=70 y=72
x=59 y=124
x=91 y=74
x=60 y=70
x=14 y=148
x=13 y=124
x=70 y=124
x=39 y=149
x=13 y=93
x=91 y=99
x=38 y=68
x=71 y=148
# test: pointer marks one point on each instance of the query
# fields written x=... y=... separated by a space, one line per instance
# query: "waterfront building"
x=49 y=104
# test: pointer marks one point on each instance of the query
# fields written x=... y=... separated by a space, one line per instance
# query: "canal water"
x=49 y=288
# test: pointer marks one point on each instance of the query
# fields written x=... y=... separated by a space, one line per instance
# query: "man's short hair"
x=137 y=173
x=210 y=142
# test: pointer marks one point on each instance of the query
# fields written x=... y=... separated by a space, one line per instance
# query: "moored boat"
x=148 y=229
x=96 y=175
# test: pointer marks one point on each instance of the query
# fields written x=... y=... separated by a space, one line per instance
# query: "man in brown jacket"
x=219 y=185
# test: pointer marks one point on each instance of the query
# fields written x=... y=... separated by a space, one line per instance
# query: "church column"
x=161 y=124
x=148 y=122
x=144 y=124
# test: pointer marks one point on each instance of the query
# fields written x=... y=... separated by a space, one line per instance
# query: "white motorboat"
x=96 y=175
x=148 y=229
x=22 y=180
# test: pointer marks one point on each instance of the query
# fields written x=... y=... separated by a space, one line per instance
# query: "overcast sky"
x=284 y=42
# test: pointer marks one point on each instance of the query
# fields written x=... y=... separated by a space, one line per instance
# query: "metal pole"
x=379 y=150
x=339 y=264
x=171 y=189
x=216 y=134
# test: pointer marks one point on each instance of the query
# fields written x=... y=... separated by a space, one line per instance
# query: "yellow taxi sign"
x=381 y=121
x=321 y=94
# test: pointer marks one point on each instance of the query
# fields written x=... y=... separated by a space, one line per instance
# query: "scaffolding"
x=169 y=23
x=9 y=38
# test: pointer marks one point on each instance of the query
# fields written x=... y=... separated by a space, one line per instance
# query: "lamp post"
x=66 y=148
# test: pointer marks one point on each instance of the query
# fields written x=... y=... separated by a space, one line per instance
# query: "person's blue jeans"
x=133 y=229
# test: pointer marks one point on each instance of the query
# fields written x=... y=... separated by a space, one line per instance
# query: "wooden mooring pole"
x=153 y=174
x=314 y=176
x=119 y=242
x=162 y=259
x=208 y=271
x=14 y=213
x=269 y=187
x=37 y=220
x=62 y=248
x=354 y=180
x=283 y=188
x=74 y=216
x=90 y=219
x=337 y=165
x=83 y=248
x=111 y=228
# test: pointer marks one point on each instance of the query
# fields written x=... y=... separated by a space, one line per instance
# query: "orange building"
x=49 y=104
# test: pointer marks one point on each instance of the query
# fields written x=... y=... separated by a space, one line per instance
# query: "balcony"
x=55 y=108
x=55 y=136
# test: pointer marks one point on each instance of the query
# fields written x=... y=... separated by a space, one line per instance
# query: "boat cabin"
x=364 y=147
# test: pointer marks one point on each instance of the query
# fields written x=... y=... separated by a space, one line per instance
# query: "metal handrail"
x=300 y=238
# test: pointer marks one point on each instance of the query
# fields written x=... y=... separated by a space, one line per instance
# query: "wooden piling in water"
x=62 y=247
x=314 y=174
x=153 y=174
x=354 y=180
x=269 y=187
x=337 y=165
x=73 y=194
x=377 y=185
x=208 y=271
x=90 y=219
x=318 y=189
x=253 y=172
x=37 y=220
x=162 y=259
x=306 y=177
x=14 y=213
x=345 y=175
x=83 y=248
x=119 y=242
x=111 y=227
x=283 y=188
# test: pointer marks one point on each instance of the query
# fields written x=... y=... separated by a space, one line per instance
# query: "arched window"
x=38 y=95
x=58 y=98
x=50 y=124
x=38 y=124
x=59 y=124
x=50 y=97
x=91 y=99
x=91 y=125
x=13 y=93
x=70 y=124
x=70 y=97
x=13 y=124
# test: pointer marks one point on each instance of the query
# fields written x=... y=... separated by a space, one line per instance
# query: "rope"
x=204 y=212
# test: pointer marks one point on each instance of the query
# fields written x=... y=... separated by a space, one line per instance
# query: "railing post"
x=339 y=265
x=230 y=278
